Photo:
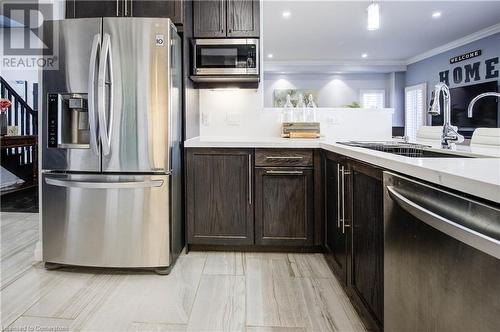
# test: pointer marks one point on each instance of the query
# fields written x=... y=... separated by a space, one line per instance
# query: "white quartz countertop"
x=478 y=176
x=251 y=142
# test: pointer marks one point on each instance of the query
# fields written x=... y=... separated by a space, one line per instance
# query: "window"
x=372 y=98
x=415 y=104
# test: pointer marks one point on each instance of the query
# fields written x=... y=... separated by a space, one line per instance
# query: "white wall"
x=236 y=113
x=244 y=113
x=335 y=90
x=398 y=81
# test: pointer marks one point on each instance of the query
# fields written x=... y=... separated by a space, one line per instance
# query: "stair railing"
x=20 y=114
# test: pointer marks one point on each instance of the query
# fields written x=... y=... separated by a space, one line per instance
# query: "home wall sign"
x=471 y=72
x=465 y=56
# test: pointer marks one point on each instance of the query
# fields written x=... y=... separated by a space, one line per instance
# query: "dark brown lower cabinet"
x=336 y=240
x=354 y=232
x=284 y=206
x=367 y=278
x=219 y=196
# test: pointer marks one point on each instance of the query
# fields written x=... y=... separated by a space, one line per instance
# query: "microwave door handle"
x=105 y=127
x=91 y=93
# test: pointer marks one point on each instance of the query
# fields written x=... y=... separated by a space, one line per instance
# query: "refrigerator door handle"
x=103 y=185
x=91 y=92
x=105 y=127
x=170 y=102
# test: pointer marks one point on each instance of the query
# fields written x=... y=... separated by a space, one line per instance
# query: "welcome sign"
x=471 y=72
x=466 y=56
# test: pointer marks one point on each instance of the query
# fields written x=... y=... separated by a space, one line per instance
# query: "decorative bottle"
x=310 y=114
x=300 y=110
x=287 y=112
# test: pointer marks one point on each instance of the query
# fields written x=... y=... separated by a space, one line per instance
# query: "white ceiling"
x=336 y=30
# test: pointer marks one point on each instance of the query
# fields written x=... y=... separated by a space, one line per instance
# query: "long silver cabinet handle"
x=250 y=179
x=463 y=234
x=344 y=173
x=104 y=185
x=117 y=7
x=91 y=93
x=106 y=57
x=284 y=172
x=283 y=157
x=338 y=196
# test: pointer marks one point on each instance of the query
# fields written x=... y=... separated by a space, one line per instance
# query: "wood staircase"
x=19 y=154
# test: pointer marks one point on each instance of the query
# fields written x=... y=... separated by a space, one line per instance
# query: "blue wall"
x=427 y=70
x=398 y=98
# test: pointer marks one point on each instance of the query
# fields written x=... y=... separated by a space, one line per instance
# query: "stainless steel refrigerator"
x=110 y=144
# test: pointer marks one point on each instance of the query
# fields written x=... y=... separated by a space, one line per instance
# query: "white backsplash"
x=241 y=113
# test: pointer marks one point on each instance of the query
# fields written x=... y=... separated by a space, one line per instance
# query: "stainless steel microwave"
x=226 y=59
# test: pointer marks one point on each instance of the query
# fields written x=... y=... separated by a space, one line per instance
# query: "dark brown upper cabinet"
x=226 y=18
x=209 y=18
x=158 y=8
x=243 y=18
x=127 y=8
x=284 y=206
x=104 y=8
x=219 y=196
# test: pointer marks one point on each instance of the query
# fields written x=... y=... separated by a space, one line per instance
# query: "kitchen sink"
x=404 y=149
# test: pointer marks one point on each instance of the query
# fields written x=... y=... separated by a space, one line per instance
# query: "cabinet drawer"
x=284 y=206
x=283 y=157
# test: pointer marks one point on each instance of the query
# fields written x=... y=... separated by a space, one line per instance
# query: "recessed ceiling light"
x=364 y=55
x=286 y=14
x=436 y=15
x=270 y=55
x=373 y=16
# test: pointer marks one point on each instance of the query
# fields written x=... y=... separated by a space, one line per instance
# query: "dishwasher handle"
x=463 y=234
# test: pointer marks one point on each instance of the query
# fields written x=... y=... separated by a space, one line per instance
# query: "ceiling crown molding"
x=456 y=43
x=333 y=67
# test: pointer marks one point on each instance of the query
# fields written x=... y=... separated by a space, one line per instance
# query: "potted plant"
x=4 y=106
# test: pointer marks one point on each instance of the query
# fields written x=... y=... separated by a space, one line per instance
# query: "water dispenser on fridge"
x=68 y=121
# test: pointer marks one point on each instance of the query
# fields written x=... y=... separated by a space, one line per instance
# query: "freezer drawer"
x=106 y=220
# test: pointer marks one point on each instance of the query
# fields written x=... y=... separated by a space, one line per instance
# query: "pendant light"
x=373 y=16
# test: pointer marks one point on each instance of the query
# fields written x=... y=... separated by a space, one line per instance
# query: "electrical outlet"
x=205 y=119
x=233 y=119
x=332 y=120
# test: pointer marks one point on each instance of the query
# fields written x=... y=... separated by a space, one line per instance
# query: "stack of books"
x=300 y=130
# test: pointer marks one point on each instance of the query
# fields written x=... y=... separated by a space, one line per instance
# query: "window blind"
x=372 y=99
x=415 y=104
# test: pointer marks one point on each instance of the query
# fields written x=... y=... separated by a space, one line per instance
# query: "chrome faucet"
x=450 y=134
x=476 y=98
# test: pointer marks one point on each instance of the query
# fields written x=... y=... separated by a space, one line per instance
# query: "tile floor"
x=226 y=291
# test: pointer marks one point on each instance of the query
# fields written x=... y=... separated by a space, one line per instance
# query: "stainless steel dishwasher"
x=441 y=259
